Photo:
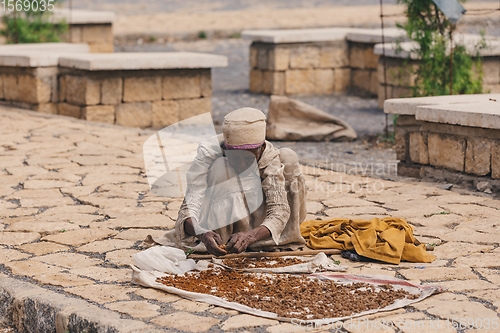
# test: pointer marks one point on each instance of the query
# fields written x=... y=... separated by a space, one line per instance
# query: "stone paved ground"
x=75 y=205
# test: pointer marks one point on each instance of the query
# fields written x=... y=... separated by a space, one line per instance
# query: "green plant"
x=202 y=35
x=32 y=26
x=431 y=30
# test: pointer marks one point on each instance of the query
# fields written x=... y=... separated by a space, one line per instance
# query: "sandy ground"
x=234 y=21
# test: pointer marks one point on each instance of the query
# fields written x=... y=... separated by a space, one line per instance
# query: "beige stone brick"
x=70 y=110
x=312 y=81
x=334 y=56
x=49 y=108
x=102 y=293
x=62 y=89
x=418 y=148
x=304 y=57
x=75 y=238
x=256 y=81
x=273 y=82
x=342 y=80
x=31 y=89
x=165 y=113
x=361 y=81
x=98 y=33
x=495 y=159
x=194 y=107
x=446 y=151
x=142 y=89
x=81 y=90
x=478 y=156
x=357 y=56
x=254 y=54
x=101 y=48
x=206 y=83
x=18 y=238
x=262 y=58
x=75 y=33
x=2 y=95
x=99 y=113
x=279 y=58
x=185 y=321
x=374 y=83
x=186 y=85
x=401 y=144
x=134 y=114
x=136 y=309
x=371 y=59
x=112 y=91
x=10 y=87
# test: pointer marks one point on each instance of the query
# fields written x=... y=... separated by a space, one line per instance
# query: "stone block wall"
x=140 y=98
x=363 y=63
x=400 y=77
x=299 y=68
x=425 y=147
x=34 y=88
x=99 y=37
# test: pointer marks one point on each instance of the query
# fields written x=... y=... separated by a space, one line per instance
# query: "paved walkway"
x=75 y=205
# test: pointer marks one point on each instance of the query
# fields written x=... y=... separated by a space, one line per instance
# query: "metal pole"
x=385 y=66
x=451 y=59
x=16 y=31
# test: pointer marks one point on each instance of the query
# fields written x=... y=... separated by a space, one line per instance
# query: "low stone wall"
x=308 y=68
x=28 y=74
x=92 y=27
x=129 y=89
x=139 y=98
x=315 y=61
x=449 y=138
x=340 y=60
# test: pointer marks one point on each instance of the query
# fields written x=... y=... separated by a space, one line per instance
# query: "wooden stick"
x=264 y=254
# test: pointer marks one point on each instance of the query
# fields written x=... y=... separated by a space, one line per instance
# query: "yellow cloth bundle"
x=389 y=239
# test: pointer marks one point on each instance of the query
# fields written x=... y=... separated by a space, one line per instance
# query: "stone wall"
x=130 y=89
x=30 y=88
x=99 y=37
x=452 y=147
x=305 y=68
x=363 y=63
x=87 y=26
x=142 y=98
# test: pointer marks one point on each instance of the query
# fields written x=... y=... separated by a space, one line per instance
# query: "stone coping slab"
x=30 y=59
x=142 y=61
x=38 y=54
x=77 y=16
x=410 y=106
x=44 y=47
x=480 y=114
x=465 y=110
x=469 y=40
x=299 y=35
x=372 y=36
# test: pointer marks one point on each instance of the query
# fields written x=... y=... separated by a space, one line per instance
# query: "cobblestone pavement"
x=75 y=206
